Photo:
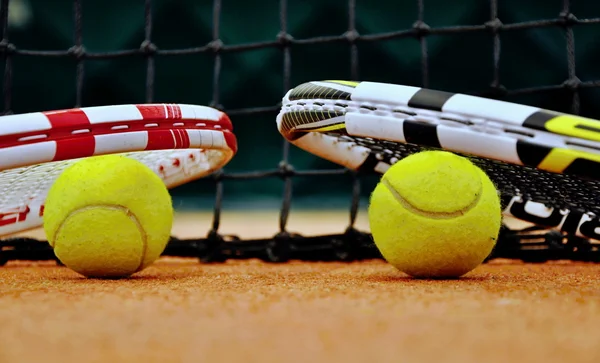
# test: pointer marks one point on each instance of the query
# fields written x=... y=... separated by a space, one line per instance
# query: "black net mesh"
x=531 y=244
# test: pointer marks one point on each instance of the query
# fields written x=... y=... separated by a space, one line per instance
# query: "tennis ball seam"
x=435 y=215
x=120 y=208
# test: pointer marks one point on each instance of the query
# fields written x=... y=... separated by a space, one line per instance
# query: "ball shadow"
x=401 y=278
x=121 y=280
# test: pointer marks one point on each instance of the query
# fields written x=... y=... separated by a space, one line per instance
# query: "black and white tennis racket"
x=180 y=143
x=545 y=164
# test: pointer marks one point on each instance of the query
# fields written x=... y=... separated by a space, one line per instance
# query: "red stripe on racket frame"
x=82 y=146
x=231 y=141
x=67 y=118
x=152 y=112
x=174 y=111
x=225 y=122
x=183 y=139
x=178 y=138
x=160 y=111
x=161 y=139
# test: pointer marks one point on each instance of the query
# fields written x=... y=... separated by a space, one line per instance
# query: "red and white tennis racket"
x=545 y=164
x=179 y=142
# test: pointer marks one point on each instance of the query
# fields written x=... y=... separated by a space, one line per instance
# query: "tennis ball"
x=434 y=214
x=108 y=216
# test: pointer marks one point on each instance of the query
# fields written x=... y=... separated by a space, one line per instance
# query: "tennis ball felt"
x=108 y=216
x=435 y=214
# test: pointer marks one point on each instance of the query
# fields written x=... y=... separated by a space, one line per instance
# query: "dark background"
x=459 y=61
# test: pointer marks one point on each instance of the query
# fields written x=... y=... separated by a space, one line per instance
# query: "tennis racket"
x=545 y=164
x=179 y=142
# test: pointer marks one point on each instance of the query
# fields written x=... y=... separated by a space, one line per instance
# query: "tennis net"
x=532 y=244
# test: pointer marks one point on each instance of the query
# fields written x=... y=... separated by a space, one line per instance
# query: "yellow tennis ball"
x=434 y=214
x=108 y=216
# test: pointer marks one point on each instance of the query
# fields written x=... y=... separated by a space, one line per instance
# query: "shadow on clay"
x=146 y=277
x=402 y=278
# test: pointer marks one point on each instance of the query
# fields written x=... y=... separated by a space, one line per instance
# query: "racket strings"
x=23 y=187
x=20 y=186
x=553 y=190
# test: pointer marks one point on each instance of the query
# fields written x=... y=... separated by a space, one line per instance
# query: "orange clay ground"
x=181 y=311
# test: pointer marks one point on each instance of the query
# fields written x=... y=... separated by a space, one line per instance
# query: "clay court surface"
x=248 y=311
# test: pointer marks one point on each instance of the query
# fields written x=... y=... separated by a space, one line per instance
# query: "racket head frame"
x=179 y=142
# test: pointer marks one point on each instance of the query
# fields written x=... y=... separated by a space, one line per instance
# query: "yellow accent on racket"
x=345 y=83
x=331 y=127
x=581 y=127
x=559 y=159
